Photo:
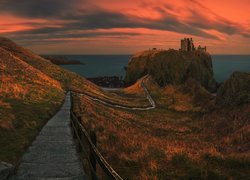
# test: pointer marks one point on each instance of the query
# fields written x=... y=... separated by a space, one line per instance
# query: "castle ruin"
x=187 y=44
x=202 y=49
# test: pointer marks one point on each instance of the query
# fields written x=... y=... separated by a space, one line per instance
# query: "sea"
x=113 y=65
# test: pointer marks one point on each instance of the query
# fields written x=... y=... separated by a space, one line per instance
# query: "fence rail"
x=79 y=131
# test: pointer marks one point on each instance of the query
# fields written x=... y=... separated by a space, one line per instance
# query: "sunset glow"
x=124 y=27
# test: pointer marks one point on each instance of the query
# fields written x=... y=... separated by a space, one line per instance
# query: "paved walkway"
x=53 y=154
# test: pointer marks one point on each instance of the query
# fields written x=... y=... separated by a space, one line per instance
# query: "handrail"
x=100 y=159
x=93 y=173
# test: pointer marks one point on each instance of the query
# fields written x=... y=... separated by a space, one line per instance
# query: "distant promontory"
x=172 y=67
x=62 y=60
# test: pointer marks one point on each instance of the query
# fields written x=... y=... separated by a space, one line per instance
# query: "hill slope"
x=68 y=79
x=28 y=97
x=31 y=90
x=185 y=137
x=19 y=78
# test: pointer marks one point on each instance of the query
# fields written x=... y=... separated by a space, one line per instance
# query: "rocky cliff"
x=172 y=67
x=235 y=91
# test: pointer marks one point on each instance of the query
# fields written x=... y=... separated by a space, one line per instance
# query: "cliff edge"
x=172 y=67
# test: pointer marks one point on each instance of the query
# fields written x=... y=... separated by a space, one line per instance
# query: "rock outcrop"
x=235 y=91
x=172 y=67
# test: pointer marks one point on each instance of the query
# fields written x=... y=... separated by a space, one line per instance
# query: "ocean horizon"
x=113 y=65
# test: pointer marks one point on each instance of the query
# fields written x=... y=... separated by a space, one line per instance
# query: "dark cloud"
x=117 y=20
x=246 y=35
x=39 y=31
x=38 y=8
x=101 y=19
x=199 y=20
x=109 y=20
x=64 y=35
x=72 y=19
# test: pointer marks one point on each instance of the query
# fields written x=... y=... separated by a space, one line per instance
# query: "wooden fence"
x=79 y=132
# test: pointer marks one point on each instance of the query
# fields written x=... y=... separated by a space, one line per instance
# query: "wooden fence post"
x=92 y=156
x=79 y=131
x=73 y=124
x=71 y=100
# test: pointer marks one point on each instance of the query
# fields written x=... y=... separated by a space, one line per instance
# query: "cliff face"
x=235 y=91
x=172 y=67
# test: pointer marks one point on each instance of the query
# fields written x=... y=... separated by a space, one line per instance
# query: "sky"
x=126 y=26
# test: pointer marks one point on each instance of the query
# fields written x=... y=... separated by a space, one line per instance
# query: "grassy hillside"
x=185 y=137
x=68 y=80
x=31 y=90
x=28 y=98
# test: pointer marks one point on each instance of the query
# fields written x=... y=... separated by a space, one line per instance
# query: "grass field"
x=169 y=142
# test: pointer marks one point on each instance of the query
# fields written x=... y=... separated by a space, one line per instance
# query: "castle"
x=187 y=44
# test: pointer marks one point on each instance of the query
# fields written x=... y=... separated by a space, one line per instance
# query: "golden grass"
x=28 y=97
x=136 y=88
x=67 y=79
x=165 y=143
x=31 y=88
x=18 y=78
x=129 y=142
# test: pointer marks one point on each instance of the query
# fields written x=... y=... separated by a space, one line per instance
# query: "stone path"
x=53 y=154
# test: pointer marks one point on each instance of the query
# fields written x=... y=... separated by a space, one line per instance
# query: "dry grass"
x=165 y=143
x=31 y=89
x=177 y=140
x=28 y=98
x=67 y=79
x=232 y=127
x=19 y=78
